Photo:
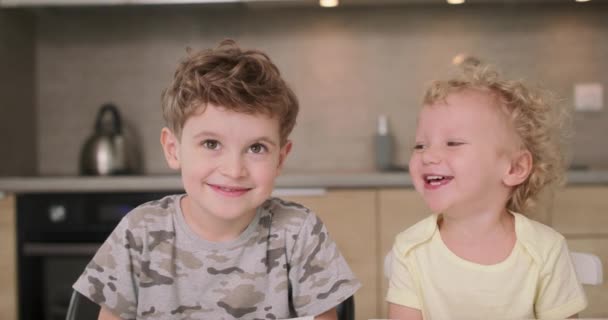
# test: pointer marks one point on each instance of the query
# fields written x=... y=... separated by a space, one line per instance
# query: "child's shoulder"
x=416 y=235
x=289 y=217
x=282 y=209
x=539 y=239
x=534 y=231
x=153 y=212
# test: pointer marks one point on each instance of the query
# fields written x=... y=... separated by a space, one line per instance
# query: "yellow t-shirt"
x=537 y=280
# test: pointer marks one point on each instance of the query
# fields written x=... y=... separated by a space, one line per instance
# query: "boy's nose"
x=233 y=166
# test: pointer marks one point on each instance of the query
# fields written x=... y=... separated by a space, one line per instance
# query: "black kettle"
x=108 y=151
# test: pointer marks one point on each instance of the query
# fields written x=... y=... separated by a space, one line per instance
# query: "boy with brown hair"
x=225 y=249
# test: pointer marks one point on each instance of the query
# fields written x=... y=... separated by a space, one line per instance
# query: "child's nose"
x=233 y=166
x=431 y=156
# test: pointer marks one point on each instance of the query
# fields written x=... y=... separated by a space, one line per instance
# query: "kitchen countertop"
x=285 y=181
x=173 y=182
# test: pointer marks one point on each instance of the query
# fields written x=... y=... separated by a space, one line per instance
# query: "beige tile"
x=18 y=91
x=346 y=68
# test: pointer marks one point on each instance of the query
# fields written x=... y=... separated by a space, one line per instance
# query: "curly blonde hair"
x=535 y=117
x=239 y=80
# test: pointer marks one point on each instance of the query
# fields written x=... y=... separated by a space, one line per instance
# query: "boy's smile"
x=229 y=161
x=229 y=191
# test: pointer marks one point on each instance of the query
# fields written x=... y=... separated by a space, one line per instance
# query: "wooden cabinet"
x=596 y=295
x=398 y=209
x=350 y=218
x=364 y=223
x=580 y=213
x=8 y=275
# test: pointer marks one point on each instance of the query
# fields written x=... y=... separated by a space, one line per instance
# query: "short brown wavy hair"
x=239 y=80
x=535 y=116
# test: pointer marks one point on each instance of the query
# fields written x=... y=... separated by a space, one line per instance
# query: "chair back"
x=73 y=307
x=345 y=310
x=81 y=308
x=588 y=268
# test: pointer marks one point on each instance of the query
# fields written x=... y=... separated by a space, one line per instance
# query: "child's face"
x=462 y=153
x=228 y=161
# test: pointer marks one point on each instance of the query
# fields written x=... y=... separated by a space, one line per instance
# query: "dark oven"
x=57 y=235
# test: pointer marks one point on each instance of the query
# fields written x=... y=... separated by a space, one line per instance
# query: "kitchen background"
x=347 y=65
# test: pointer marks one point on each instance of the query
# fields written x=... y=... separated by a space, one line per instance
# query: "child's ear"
x=285 y=150
x=519 y=169
x=170 y=145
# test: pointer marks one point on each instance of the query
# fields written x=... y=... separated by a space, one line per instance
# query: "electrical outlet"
x=588 y=97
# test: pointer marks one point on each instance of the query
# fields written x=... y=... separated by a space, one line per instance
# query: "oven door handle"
x=34 y=249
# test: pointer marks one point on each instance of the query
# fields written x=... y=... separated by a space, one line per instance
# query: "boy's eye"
x=258 y=148
x=211 y=144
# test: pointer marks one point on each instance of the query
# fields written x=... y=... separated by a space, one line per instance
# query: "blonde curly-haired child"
x=485 y=148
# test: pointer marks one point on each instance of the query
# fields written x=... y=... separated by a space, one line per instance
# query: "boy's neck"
x=209 y=227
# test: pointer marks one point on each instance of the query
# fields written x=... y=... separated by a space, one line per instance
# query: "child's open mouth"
x=229 y=190
x=435 y=181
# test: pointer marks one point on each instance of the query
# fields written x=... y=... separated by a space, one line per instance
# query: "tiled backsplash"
x=346 y=65
x=17 y=98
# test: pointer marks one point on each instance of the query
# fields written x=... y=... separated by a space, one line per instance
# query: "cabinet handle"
x=60 y=249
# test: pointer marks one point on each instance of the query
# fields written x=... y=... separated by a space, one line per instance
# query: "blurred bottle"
x=383 y=142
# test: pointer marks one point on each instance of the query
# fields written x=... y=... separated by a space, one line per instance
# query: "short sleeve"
x=401 y=286
x=108 y=279
x=319 y=276
x=560 y=294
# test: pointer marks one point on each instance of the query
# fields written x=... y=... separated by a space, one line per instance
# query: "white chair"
x=588 y=267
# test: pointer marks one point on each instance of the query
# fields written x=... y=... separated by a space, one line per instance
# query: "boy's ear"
x=519 y=170
x=170 y=145
x=285 y=150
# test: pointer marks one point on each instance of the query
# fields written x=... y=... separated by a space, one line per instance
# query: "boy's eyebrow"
x=205 y=133
x=266 y=139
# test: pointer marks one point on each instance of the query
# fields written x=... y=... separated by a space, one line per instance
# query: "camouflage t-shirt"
x=153 y=266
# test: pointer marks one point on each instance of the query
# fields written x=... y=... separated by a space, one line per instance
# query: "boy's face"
x=462 y=153
x=228 y=161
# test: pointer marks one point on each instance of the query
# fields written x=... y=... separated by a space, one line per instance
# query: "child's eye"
x=211 y=144
x=419 y=146
x=454 y=143
x=258 y=148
